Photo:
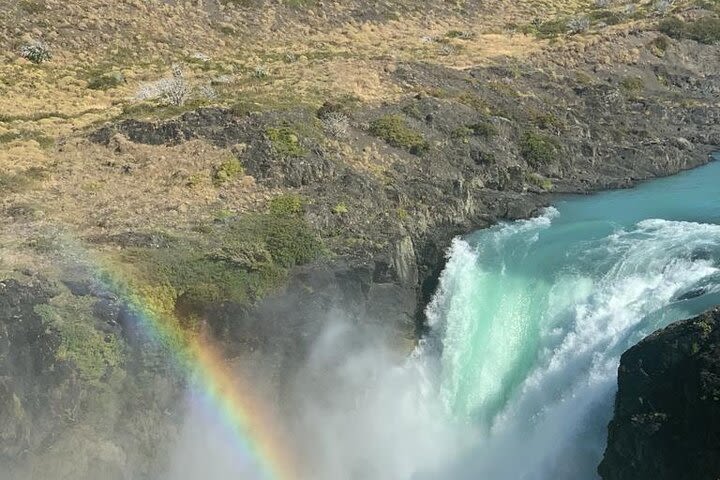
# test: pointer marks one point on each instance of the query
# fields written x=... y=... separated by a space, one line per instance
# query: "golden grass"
x=309 y=58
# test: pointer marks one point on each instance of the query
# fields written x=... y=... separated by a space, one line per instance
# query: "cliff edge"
x=667 y=410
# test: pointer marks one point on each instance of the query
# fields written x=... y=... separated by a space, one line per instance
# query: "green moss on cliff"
x=285 y=141
x=237 y=260
x=538 y=150
x=395 y=130
x=93 y=353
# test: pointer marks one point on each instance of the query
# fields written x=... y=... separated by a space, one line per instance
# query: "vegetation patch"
x=608 y=17
x=340 y=209
x=285 y=142
x=659 y=45
x=24 y=135
x=539 y=181
x=547 y=29
x=704 y=30
x=288 y=205
x=538 y=150
x=547 y=120
x=483 y=129
x=632 y=85
x=237 y=260
x=395 y=130
x=18 y=182
x=93 y=353
x=228 y=170
x=105 y=81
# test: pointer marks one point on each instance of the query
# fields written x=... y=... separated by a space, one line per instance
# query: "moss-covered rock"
x=228 y=170
x=395 y=130
x=538 y=150
x=285 y=141
x=91 y=352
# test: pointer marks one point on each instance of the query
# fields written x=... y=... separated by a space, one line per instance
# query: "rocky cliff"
x=326 y=154
x=667 y=410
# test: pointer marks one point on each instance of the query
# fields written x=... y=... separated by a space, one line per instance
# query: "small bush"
x=484 y=129
x=578 y=25
x=662 y=7
x=106 y=81
x=174 y=90
x=36 y=52
x=395 y=131
x=673 y=27
x=92 y=352
x=539 y=181
x=285 y=142
x=227 y=171
x=461 y=132
x=548 y=29
x=336 y=124
x=547 y=121
x=632 y=84
x=287 y=205
x=340 y=209
x=260 y=72
x=608 y=17
x=461 y=34
x=538 y=150
x=659 y=45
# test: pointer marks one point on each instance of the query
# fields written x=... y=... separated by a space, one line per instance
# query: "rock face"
x=667 y=410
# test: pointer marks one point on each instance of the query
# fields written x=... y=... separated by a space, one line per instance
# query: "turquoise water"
x=535 y=314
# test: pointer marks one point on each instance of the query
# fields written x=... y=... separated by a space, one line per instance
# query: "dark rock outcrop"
x=667 y=410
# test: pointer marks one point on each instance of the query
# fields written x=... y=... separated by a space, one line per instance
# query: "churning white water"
x=534 y=315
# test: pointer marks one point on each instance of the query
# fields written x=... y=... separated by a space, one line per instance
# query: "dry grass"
x=308 y=56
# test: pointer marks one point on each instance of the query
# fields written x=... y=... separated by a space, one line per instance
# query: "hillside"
x=209 y=158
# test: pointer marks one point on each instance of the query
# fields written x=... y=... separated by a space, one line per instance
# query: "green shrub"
x=237 y=260
x=287 y=205
x=290 y=241
x=105 y=81
x=228 y=170
x=395 y=131
x=483 y=129
x=704 y=30
x=673 y=27
x=547 y=121
x=340 y=209
x=36 y=52
x=92 y=352
x=549 y=28
x=474 y=101
x=462 y=132
x=538 y=150
x=632 y=84
x=539 y=181
x=659 y=45
x=285 y=142
x=609 y=17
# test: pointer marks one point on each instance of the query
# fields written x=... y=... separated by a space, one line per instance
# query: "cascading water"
x=534 y=315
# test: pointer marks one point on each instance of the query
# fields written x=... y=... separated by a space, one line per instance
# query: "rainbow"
x=246 y=418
